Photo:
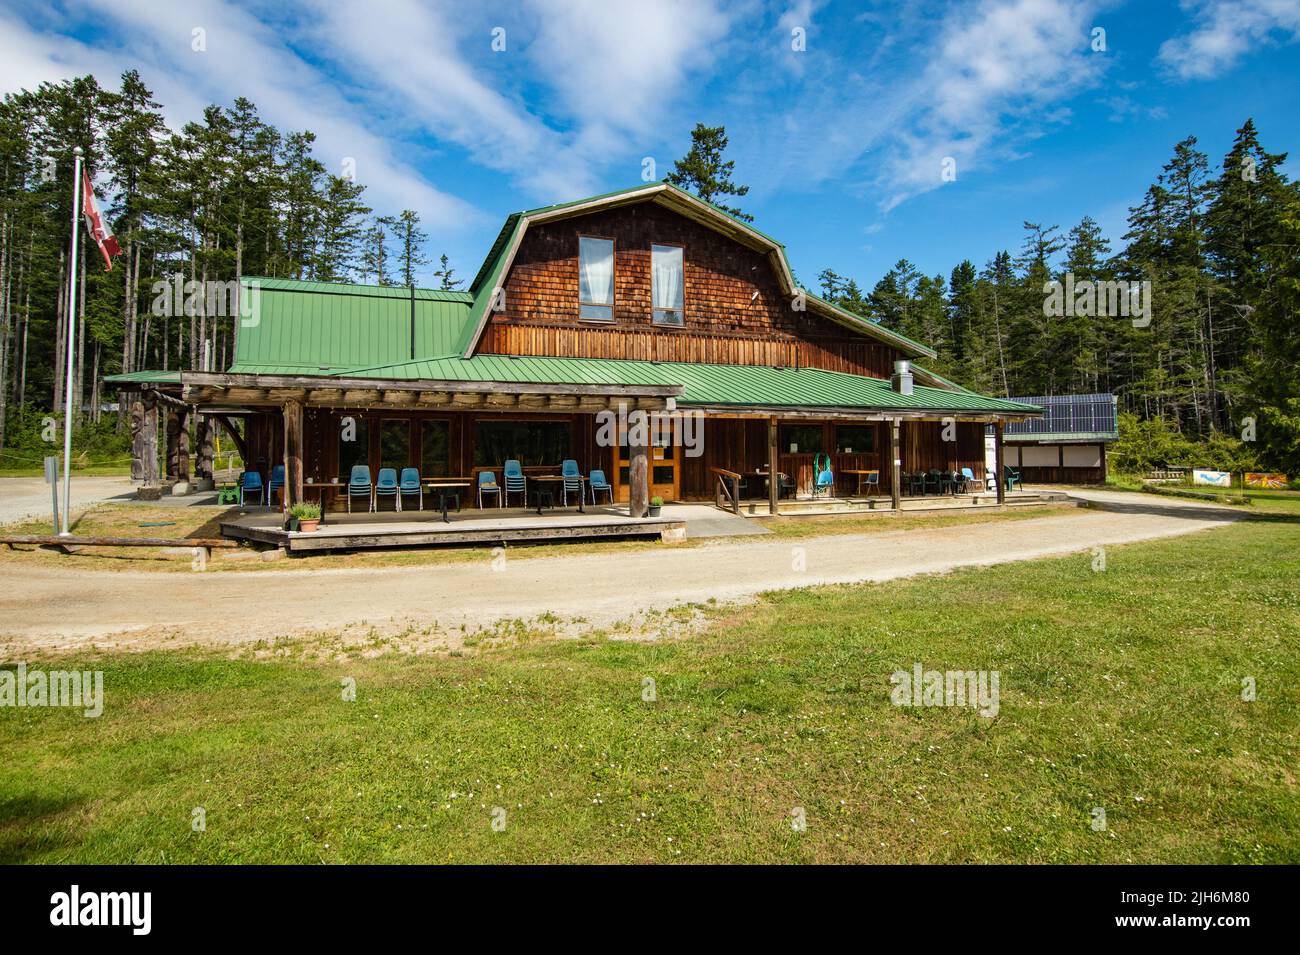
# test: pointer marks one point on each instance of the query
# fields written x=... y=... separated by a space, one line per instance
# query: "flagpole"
x=72 y=328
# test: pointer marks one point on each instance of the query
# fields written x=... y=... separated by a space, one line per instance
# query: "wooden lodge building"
x=646 y=300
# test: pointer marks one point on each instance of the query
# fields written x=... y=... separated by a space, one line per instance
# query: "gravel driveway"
x=62 y=607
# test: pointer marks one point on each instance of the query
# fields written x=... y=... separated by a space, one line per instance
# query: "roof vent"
x=901 y=380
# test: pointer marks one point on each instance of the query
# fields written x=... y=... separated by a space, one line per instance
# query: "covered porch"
x=875 y=459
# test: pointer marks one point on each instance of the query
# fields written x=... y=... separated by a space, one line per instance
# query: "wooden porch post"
x=149 y=440
x=292 y=453
x=178 y=445
x=638 y=503
x=773 y=481
x=896 y=464
x=203 y=437
x=997 y=462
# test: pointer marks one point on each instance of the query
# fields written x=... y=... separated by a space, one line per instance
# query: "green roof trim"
x=704 y=385
x=1062 y=437
x=144 y=378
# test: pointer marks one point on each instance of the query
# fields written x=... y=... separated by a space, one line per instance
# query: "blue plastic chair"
x=386 y=486
x=251 y=481
x=410 y=484
x=966 y=480
x=872 y=481
x=276 y=483
x=824 y=482
x=516 y=483
x=572 y=480
x=597 y=482
x=358 y=484
x=487 y=484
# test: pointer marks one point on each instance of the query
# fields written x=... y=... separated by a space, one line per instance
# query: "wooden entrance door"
x=665 y=462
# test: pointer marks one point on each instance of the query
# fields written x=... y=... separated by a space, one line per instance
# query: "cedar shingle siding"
x=725 y=322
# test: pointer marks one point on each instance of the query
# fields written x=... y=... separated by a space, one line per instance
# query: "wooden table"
x=441 y=485
x=862 y=473
x=558 y=479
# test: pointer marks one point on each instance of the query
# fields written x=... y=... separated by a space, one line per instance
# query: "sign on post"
x=52 y=479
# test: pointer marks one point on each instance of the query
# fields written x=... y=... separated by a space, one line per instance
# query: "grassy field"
x=1119 y=690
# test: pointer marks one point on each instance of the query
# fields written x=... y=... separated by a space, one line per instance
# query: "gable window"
x=596 y=278
x=666 y=277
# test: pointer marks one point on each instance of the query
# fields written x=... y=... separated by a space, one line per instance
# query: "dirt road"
x=66 y=608
x=22 y=497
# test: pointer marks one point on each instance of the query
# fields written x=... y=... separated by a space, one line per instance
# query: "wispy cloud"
x=1225 y=31
x=241 y=56
x=996 y=77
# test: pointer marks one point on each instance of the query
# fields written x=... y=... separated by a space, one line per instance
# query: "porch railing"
x=726 y=493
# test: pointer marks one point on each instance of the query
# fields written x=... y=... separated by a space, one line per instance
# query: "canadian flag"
x=106 y=241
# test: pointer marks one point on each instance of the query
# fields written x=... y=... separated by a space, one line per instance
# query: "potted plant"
x=306 y=516
x=655 y=503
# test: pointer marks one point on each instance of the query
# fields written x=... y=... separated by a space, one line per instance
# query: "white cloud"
x=1225 y=31
x=243 y=58
x=992 y=80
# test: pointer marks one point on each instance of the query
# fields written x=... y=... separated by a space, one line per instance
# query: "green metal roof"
x=145 y=378
x=711 y=385
x=302 y=326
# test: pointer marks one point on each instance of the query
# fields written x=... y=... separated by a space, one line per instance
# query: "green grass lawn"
x=1120 y=689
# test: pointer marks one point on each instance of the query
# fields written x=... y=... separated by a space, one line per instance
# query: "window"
x=596 y=278
x=799 y=439
x=434 y=459
x=354 y=444
x=395 y=444
x=531 y=443
x=666 y=278
x=855 y=438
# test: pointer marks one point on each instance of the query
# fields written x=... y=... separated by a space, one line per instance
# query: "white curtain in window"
x=596 y=270
x=666 y=266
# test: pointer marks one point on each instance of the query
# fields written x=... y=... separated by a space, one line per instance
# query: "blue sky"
x=843 y=142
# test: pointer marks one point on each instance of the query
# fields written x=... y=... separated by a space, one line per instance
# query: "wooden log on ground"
x=50 y=540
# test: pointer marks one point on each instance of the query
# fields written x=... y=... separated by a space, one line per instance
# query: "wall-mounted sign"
x=1212 y=478
x=1277 y=482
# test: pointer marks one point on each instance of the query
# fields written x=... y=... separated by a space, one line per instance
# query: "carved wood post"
x=638 y=433
x=292 y=453
x=149 y=440
x=773 y=481
x=895 y=464
x=203 y=467
x=137 y=438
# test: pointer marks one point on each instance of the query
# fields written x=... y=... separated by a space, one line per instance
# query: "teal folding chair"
x=516 y=483
x=410 y=484
x=487 y=484
x=597 y=482
x=359 y=484
x=386 y=486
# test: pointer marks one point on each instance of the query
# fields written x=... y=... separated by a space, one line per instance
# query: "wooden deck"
x=981 y=500
x=471 y=526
